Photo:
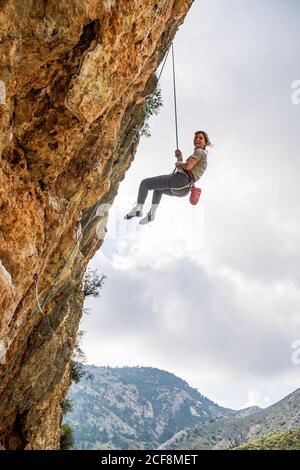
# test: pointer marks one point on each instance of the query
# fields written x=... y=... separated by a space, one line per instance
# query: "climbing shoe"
x=133 y=213
x=148 y=218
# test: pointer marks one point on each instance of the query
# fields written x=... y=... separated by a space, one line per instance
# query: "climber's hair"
x=207 y=139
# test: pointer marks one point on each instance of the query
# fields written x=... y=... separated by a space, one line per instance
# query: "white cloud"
x=255 y=398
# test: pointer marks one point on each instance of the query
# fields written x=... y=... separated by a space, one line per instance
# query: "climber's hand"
x=179 y=164
x=178 y=155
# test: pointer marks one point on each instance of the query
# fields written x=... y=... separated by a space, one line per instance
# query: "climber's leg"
x=162 y=182
x=175 y=180
x=157 y=194
x=161 y=185
x=156 y=182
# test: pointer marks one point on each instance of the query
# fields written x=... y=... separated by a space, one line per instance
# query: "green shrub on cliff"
x=289 y=440
x=153 y=103
x=66 y=437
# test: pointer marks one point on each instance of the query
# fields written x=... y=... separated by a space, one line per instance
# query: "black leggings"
x=161 y=185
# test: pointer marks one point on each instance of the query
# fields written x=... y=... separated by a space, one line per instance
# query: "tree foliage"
x=153 y=104
x=66 y=406
x=93 y=283
x=66 y=437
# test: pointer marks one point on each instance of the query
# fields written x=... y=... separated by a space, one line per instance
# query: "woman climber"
x=176 y=184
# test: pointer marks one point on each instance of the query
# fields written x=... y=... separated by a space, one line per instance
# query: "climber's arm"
x=188 y=165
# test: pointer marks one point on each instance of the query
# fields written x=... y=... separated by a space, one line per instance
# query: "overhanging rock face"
x=73 y=79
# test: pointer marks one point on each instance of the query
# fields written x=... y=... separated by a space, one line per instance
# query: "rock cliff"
x=73 y=81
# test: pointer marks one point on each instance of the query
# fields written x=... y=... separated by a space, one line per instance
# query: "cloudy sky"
x=211 y=292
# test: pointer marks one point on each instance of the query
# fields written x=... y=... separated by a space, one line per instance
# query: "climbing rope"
x=175 y=100
x=35 y=279
x=42 y=305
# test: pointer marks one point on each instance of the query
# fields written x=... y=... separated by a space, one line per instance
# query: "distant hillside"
x=289 y=440
x=225 y=434
x=136 y=408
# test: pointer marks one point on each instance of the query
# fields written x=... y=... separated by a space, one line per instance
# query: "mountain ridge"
x=137 y=407
x=283 y=415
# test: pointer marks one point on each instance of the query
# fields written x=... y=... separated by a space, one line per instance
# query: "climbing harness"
x=186 y=186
